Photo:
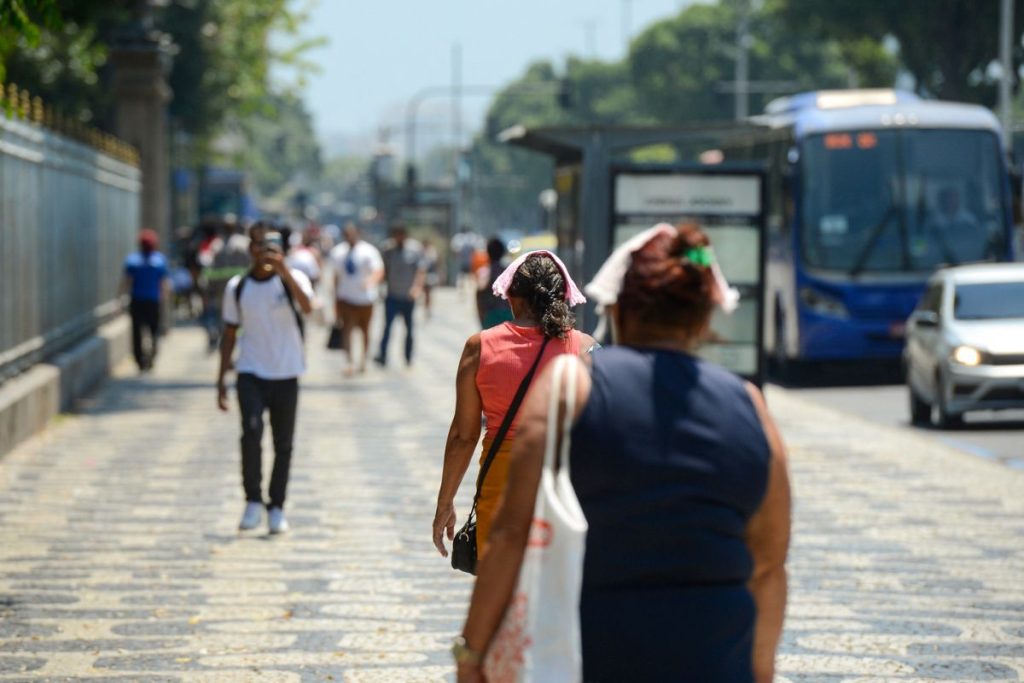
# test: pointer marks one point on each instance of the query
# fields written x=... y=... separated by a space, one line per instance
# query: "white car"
x=965 y=343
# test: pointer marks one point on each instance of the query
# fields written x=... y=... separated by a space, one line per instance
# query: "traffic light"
x=564 y=93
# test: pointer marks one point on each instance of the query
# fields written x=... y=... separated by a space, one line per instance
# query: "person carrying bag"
x=538 y=639
x=490 y=385
x=464 y=550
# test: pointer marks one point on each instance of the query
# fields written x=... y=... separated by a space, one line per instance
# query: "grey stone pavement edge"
x=120 y=559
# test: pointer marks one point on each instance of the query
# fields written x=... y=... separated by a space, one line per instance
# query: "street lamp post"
x=1006 y=62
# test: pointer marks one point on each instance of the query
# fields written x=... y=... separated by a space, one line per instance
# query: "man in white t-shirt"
x=268 y=301
x=358 y=271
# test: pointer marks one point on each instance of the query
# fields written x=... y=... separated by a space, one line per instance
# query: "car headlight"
x=823 y=304
x=967 y=355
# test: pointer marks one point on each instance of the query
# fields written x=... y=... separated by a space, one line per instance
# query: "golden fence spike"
x=12 y=98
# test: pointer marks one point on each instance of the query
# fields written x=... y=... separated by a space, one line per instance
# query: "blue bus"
x=869 y=191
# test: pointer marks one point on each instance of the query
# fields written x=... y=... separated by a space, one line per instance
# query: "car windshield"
x=902 y=200
x=989 y=301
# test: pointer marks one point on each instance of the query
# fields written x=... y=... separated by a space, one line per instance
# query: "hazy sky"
x=383 y=52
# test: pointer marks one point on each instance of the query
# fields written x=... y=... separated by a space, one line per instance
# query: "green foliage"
x=221 y=57
x=683 y=67
x=281 y=143
x=47 y=48
x=223 y=60
x=947 y=45
x=20 y=22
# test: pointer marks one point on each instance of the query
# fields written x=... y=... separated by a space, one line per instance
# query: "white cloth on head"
x=606 y=286
x=573 y=295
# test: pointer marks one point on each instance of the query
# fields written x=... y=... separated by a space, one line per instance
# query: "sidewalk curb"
x=31 y=400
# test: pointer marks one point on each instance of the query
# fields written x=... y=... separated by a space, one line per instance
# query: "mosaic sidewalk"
x=120 y=559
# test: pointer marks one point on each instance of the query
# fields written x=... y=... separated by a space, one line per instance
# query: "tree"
x=682 y=67
x=947 y=45
x=281 y=144
x=222 y=56
x=54 y=49
x=506 y=181
x=20 y=22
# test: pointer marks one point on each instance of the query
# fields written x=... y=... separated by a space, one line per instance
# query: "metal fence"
x=69 y=214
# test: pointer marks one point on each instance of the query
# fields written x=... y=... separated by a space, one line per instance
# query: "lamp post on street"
x=1006 y=64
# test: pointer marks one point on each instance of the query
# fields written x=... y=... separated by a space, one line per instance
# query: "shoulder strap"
x=238 y=294
x=298 y=316
x=507 y=422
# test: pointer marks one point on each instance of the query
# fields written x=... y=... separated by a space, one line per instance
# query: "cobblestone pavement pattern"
x=119 y=558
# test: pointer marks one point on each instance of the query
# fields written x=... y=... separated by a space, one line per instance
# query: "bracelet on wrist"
x=463 y=654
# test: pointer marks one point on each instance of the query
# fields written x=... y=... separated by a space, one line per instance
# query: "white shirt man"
x=266 y=303
x=354 y=269
x=358 y=271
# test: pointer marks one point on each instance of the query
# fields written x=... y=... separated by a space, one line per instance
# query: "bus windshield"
x=904 y=200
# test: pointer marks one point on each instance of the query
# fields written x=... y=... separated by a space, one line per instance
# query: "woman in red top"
x=494 y=363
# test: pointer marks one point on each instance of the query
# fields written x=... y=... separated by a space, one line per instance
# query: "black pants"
x=392 y=309
x=145 y=314
x=281 y=398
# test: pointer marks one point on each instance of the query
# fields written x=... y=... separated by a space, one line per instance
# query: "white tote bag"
x=538 y=640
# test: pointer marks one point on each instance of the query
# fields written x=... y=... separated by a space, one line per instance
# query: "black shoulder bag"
x=464 y=544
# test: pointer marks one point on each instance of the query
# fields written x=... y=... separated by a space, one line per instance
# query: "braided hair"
x=540 y=283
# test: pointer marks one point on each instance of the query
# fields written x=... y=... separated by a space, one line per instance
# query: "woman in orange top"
x=494 y=362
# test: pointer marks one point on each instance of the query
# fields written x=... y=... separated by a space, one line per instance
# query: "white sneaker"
x=278 y=524
x=252 y=516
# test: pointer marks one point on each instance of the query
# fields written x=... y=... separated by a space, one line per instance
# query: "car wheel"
x=941 y=416
x=920 y=411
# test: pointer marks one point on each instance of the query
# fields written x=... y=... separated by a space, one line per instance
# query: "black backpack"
x=287 y=292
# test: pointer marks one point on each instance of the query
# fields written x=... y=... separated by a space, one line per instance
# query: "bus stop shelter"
x=604 y=198
x=584 y=157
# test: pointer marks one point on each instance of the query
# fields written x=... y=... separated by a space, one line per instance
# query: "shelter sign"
x=728 y=204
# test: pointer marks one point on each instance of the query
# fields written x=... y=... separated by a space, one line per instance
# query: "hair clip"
x=700 y=256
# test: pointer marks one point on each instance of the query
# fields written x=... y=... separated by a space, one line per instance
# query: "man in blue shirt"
x=145 y=278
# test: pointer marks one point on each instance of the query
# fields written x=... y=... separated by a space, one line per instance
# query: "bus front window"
x=901 y=201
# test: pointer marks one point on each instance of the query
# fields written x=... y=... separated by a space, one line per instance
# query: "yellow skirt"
x=491 y=491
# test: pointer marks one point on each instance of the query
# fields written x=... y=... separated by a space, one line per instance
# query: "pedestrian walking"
x=305 y=256
x=463 y=245
x=404 y=274
x=358 y=271
x=432 y=277
x=682 y=478
x=267 y=302
x=230 y=260
x=494 y=363
x=146 y=280
x=491 y=308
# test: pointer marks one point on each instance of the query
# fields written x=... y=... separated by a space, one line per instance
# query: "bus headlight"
x=823 y=304
x=967 y=355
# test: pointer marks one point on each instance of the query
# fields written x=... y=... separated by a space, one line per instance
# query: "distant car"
x=965 y=343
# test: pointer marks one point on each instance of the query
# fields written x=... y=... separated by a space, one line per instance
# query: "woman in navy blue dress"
x=682 y=477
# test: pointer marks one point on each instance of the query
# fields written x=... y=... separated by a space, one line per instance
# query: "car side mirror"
x=926 y=319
